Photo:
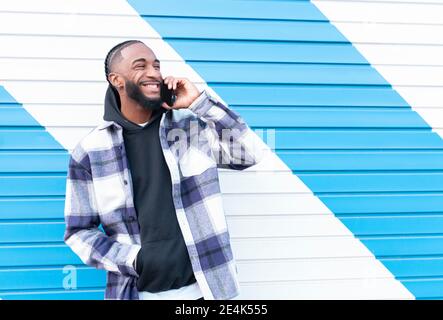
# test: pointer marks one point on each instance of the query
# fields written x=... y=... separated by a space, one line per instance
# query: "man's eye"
x=157 y=67
x=139 y=66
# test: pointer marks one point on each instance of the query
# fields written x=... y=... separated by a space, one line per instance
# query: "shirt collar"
x=106 y=124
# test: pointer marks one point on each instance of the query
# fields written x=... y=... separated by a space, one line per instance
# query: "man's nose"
x=151 y=72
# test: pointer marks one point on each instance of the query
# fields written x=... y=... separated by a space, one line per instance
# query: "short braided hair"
x=116 y=50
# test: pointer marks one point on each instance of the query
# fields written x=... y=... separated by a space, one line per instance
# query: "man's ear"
x=116 y=80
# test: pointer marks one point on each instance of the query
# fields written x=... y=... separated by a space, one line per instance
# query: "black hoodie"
x=163 y=262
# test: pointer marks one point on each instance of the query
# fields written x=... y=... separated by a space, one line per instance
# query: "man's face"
x=141 y=72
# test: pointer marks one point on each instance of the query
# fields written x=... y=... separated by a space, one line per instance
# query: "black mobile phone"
x=167 y=95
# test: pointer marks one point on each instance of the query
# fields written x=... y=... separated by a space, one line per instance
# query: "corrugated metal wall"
x=354 y=152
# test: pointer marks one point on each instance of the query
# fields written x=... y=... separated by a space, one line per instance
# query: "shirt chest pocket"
x=192 y=150
x=109 y=183
x=194 y=162
x=110 y=192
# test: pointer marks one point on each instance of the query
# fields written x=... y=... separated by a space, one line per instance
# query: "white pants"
x=190 y=292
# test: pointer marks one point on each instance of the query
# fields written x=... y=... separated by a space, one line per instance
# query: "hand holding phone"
x=167 y=95
x=184 y=92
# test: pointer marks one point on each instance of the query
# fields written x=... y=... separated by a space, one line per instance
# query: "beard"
x=134 y=92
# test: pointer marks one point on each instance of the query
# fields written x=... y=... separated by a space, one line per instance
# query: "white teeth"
x=149 y=85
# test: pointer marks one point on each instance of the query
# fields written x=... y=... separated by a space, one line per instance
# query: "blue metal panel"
x=286 y=73
x=374 y=182
x=378 y=225
x=32 y=185
x=234 y=29
x=31 y=207
x=31 y=231
x=16 y=116
x=276 y=117
x=19 y=255
x=5 y=98
x=428 y=288
x=404 y=246
x=267 y=51
x=363 y=161
x=400 y=203
x=288 y=10
x=415 y=266
x=32 y=138
x=356 y=140
x=48 y=278
x=309 y=95
x=85 y=294
x=33 y=161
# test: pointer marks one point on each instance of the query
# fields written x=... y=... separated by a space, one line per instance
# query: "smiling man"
x=156 y=197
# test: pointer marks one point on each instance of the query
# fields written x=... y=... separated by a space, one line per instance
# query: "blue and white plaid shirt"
x=99 y=192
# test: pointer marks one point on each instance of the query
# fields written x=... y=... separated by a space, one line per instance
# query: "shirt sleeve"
x=82 y=233
x=233 y=143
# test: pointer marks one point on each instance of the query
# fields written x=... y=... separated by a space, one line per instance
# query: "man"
x=156 y=197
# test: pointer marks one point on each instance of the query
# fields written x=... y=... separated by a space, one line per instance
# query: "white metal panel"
x=69 y=6
x=353 y=289
x=423 y=75
x=71 y=24
x=57 y=47
x=300 y=247
x=309 y=269
x=287 y=203
x=82 y=70
x=402 y=54
x=393 y=33
x=261 y=181
x=381 y=11
x=284 y=226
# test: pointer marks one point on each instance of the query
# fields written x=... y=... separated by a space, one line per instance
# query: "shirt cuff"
x=197 y=101
x=133 y=256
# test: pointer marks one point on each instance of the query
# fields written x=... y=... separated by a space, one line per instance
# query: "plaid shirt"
x=99 y=192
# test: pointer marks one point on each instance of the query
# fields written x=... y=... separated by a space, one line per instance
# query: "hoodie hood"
x=113 y=111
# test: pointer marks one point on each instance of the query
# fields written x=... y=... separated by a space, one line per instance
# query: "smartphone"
x=167 y=95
